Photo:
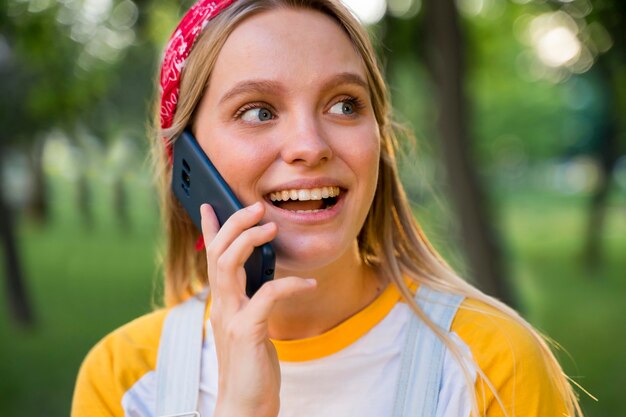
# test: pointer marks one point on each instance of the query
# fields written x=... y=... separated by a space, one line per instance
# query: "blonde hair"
x=390 y=240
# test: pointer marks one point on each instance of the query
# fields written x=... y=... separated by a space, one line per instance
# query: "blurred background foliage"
x=518 y=171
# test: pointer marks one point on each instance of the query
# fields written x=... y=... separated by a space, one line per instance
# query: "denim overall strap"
x=178 y=363
x=421 y=368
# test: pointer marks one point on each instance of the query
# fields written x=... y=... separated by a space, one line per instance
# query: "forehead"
x=288 y=45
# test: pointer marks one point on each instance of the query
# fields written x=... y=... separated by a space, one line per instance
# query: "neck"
x=344 y=287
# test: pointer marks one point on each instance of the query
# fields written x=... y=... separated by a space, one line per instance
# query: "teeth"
x=305 y=194
x=316 y=194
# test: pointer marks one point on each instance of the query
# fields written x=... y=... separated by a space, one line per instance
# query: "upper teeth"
x=305 y=194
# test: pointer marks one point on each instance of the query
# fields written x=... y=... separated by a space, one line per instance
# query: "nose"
x=305 y=143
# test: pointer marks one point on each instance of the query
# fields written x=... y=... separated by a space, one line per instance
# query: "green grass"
x=85 y=283
x=581 y=308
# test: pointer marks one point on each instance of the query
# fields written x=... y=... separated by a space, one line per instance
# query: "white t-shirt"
x=351 y=370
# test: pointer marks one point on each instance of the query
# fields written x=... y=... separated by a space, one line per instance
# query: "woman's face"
x=287 y=120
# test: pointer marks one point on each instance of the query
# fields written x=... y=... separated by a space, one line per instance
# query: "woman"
x=285 y=97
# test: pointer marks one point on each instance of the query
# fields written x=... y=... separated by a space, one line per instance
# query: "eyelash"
x=250 y=106
x=355 y=101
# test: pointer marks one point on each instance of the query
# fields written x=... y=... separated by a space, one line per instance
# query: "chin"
x=308 y=256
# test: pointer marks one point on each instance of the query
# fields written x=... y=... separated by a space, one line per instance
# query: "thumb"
x=261 y=304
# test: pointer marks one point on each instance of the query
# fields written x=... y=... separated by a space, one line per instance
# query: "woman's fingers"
x=230 y=262
x=210 y=225
x=217 y=240
x=228 y=248
x=234 y=226
x=248 y=363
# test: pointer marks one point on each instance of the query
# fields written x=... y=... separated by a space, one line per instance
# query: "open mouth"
x=306 y=200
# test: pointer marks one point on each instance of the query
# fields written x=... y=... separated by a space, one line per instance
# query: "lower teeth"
x=308 y=211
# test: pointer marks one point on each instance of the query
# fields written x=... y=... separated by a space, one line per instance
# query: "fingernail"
x=269 y=225
x=311 y=282
x=205 y=209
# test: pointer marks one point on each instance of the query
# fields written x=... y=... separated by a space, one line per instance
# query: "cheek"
x=369 y=160
x=371 y=155
x=241 y=164
x=363 y=154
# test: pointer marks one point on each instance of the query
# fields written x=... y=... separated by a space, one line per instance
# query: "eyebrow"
x=252 y=86
x=273 y=87
x=346 y=78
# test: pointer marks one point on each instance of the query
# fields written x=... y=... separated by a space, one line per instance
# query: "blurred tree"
x=62 y=67
x=552 y=82
x=611 y=15
x=600 y=140
x=436 y=37
x=445 y=59
x=598 y=81
x=71 y=74
x=17 y=298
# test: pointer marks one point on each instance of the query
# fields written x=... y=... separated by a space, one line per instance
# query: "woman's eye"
x=344 y=107
x=258 y=114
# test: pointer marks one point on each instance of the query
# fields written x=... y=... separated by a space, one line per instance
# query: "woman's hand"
x=249 y=373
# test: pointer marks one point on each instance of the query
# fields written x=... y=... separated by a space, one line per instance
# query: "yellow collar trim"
x=341 y=336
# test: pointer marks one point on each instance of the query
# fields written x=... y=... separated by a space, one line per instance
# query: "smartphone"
x=196 y=181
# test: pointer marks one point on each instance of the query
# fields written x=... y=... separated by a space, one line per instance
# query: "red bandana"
x=176 y=53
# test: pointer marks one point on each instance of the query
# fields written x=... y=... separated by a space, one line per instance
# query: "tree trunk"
x=445 y=61
x=17 y=299
x=83 y=201
x=38 y=206
x=596 y=220
x=607 y=154
x=120 y=204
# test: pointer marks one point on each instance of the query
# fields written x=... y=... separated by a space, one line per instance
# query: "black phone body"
x=196 y=181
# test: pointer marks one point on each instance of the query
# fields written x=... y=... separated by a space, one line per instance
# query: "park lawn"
x=86 y=283
x=581 y=308
x=83 y=284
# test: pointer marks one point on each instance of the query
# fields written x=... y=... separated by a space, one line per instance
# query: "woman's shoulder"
x=116 y=363
x=513 y=358
x=485 y=328
x=498 y=340
x=139 y=336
